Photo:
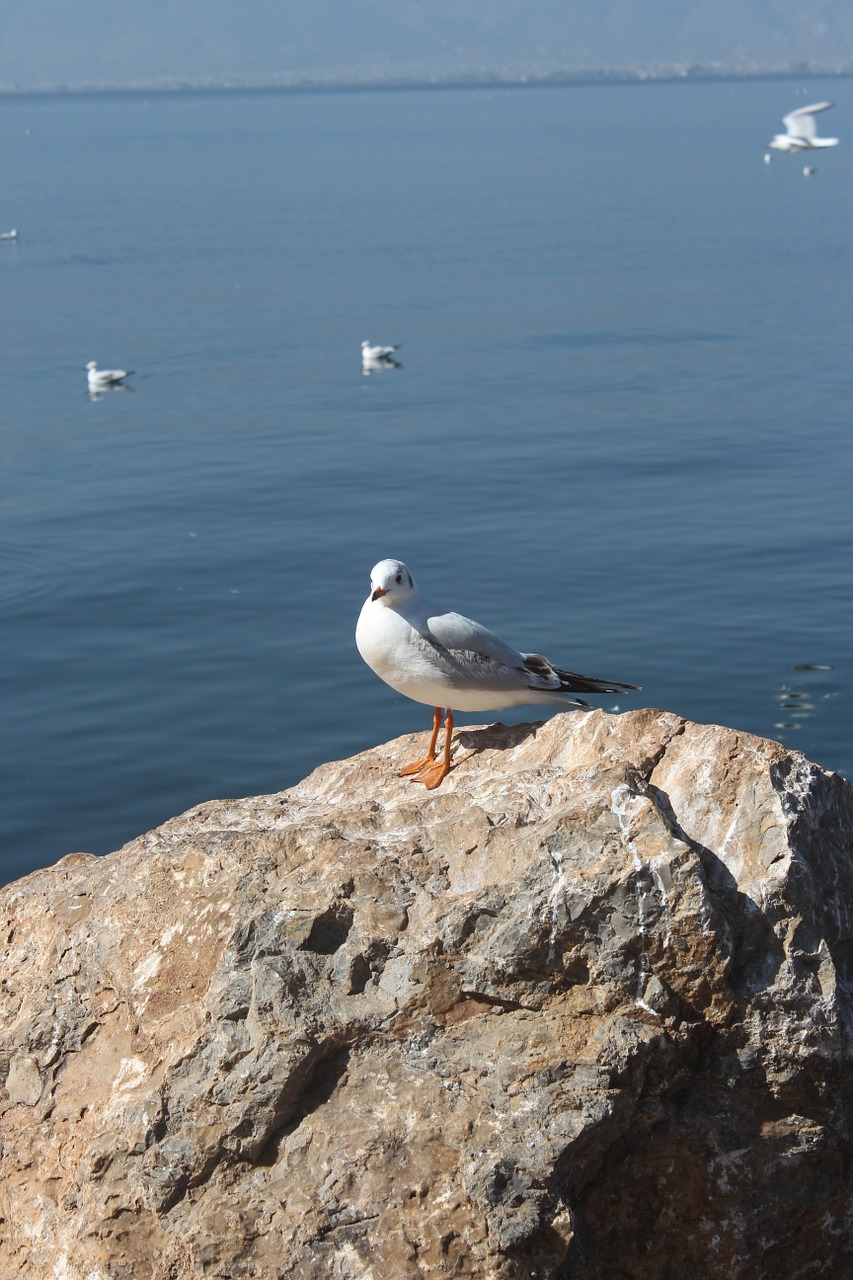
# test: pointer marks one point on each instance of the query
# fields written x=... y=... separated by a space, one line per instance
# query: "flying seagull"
x=801 y=130
x=447 y=661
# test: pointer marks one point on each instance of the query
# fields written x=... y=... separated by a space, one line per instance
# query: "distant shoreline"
x=469 y=80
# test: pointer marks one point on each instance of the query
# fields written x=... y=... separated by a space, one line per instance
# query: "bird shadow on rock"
x=495 y=737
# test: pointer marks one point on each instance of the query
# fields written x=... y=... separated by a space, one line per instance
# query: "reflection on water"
x=375 y=364
x=801 y=703
x=98 y=393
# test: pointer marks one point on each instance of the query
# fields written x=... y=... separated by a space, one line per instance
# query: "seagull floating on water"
x=369 y=353
x=451 y=663
x=101 y=378
x=9 y=235
x=801 y=132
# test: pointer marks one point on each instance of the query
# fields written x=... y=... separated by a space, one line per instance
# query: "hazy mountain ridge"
x=77 y=42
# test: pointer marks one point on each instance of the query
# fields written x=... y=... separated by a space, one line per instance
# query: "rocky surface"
x=582 y=1012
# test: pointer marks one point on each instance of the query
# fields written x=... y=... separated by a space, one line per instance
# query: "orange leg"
x=433 y=772
x=430 y=755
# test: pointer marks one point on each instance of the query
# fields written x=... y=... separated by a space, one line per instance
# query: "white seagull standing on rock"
x=101 y=378
x=448 y=661
x=801 y=130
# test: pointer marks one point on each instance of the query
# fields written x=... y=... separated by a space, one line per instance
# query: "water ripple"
x=23 y=575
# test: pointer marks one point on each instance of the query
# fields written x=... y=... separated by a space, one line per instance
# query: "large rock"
x=582 y=1012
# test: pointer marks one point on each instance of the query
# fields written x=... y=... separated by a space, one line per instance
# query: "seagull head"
x=91 y=365
x=391 y=580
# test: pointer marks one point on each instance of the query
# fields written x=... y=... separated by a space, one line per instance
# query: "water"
x=621 y=434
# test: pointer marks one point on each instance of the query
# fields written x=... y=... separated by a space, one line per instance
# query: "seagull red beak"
x=380 y=591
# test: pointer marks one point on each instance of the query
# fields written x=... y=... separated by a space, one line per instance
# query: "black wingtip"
x=572 y=682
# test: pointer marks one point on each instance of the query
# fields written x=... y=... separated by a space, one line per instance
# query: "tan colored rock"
x=584 y=1011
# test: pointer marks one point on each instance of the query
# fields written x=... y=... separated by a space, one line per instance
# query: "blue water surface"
x=620 y=435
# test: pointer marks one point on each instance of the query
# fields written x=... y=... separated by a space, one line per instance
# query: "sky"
x=74 y=43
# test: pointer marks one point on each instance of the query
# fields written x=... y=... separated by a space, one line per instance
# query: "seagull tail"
x=571 y=682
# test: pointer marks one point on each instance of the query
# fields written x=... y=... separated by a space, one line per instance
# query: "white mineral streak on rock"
x=556 y=901
x=130 y=1072
x=583 y=1010
x=146 y=969
x=625 y=805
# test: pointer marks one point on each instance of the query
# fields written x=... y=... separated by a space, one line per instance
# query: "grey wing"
x=474 y=656
x=469 y=649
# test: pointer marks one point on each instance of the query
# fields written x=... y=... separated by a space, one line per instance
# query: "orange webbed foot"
x=432 y=774
x=416 y=767
x=432 y=771
x=429 y=758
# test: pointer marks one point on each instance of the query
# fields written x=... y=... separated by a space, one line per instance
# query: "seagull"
x=100 y=378
x=450 y=662
x=801 y=130
x=370 y=354
x=9 y=235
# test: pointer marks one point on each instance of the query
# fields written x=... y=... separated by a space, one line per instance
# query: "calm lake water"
x=620 y=435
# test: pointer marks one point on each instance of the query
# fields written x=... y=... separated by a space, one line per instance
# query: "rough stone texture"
x=582 y=1012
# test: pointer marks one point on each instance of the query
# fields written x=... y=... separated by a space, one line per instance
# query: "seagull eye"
x=399 y=578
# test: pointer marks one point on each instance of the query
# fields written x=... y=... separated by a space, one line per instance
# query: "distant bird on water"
x=370 y=353
x=101 y=378
x=448 y=661
x=801 y=129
